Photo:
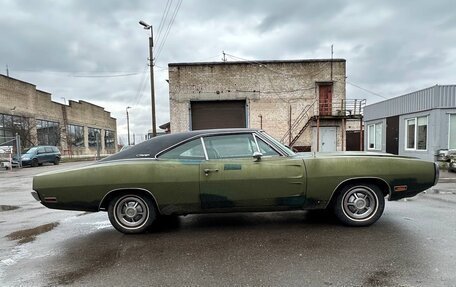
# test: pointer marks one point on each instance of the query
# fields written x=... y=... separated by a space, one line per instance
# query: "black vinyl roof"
x=149 y=148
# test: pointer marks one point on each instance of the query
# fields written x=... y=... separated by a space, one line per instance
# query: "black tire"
x=56 y=161
x=132 y=213
x=359 y=204
x=34 y=163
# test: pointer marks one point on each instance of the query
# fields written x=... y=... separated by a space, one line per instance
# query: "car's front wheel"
x=132 y=213
x=34 y=163
x=359 y=204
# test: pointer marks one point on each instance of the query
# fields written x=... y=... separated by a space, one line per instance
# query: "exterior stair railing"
x=305 y=116
x=351 y=108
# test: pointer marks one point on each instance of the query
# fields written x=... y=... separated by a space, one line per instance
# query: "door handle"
x=208 y=170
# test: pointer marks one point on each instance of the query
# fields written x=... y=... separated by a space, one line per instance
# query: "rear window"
x=48 y=149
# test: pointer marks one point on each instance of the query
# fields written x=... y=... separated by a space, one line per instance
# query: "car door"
x=41 y=154
x=231 y=177
x=49 y=154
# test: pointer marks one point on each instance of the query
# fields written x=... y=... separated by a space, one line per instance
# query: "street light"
x=151 y=65
x=128 y=125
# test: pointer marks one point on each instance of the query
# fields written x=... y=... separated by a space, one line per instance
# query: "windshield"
x=29 y=151
x=288 y=151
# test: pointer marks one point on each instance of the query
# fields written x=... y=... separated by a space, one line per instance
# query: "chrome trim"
x=272 y=145
x=256 y=142
x=201 y=135
x=354 y=178
x=204 y=148
x=129 y=188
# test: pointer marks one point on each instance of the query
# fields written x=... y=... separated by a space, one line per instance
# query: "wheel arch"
x=104 y=203
x=379 y=182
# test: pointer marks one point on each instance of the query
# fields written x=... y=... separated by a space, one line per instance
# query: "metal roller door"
x=218 y=114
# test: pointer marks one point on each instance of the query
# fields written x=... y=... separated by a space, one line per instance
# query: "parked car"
x=452 y=164
x=232 y=170
x=38 y=155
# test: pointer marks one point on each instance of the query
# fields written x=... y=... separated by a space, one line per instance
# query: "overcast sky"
x=63 y=47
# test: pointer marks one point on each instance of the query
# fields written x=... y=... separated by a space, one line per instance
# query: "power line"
x=366 y=90
x=104 y=76
x=278 y=72
x=163 y=19
x=170 y=24
x=76 y=75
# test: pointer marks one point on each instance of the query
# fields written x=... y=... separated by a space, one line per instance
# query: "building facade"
x=417 y=124
x=79 y=128
x=299 y=102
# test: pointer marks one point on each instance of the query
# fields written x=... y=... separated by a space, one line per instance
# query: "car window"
x=265 y=149
x=40 y=150
x=192 y=150
x=230 y=146
x=48 y=149
x=55 y=149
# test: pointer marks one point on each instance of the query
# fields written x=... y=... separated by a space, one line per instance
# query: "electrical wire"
x=278 y=72
x=170 y=24
x=163 y=19
x=76 y=74
x=366 y=90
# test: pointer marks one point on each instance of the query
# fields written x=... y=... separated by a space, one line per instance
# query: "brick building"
x=300 y=102
x=75 y=128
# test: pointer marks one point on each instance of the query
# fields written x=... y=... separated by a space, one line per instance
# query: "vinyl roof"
x=149 y=148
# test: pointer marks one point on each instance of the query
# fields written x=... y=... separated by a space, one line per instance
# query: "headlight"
x=25 y=158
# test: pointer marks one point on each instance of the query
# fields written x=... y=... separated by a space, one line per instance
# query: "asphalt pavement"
x=413 y=244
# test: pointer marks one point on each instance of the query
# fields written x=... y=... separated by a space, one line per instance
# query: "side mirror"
x=257 y=156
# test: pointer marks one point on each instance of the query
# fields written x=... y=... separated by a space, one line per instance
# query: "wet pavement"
x=413 y=244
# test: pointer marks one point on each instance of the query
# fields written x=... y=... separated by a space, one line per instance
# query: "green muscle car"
x=232 y=170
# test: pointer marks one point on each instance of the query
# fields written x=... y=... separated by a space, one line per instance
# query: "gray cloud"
x=391 y=47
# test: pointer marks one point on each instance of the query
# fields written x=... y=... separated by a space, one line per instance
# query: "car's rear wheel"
x=35 y=162
x=132 y=213
x=359 y=204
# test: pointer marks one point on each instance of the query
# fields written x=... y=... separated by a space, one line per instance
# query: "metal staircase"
x=306 y=117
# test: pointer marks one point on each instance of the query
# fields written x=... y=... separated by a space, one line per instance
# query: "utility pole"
x=7 y=71
x=224 y=56
x=151 y=65
x=332 y=55
x=128 y=125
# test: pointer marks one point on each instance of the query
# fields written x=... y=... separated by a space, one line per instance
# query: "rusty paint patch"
x=29 y=235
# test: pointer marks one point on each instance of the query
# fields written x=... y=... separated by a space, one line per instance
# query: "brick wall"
x=271 y=89
x=36 y=104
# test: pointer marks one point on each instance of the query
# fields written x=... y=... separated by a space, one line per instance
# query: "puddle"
x=8 y=207
x=28 y=235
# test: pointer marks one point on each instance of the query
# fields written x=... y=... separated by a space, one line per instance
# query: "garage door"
x=218 y=114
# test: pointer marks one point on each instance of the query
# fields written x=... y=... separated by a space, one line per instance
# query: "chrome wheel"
x=360 y=203
x=131 y=212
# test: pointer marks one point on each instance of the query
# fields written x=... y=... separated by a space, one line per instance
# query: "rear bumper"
x=35 y=195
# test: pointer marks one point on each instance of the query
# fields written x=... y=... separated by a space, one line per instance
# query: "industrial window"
x=374 y=135
x=416 y=133
x=452 y=133
x=75 y=135
x=110 y=139
x=94 y=136
x=48 y=132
